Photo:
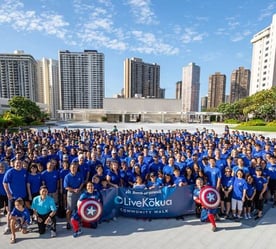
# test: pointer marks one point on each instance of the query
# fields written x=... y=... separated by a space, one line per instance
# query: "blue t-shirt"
x=73 y=181
x=2 y=190
x=16 y=180
x=250 y=190
x=239 y=185
x=226 y=181
x=114 y=178
x=244 y=169
x=259 y=182
x=50 y=178
x=25 y=214
x=35 y=182
x=271 y=171
x=213 y=174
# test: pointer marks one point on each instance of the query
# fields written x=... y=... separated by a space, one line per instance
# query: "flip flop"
x=13 y=241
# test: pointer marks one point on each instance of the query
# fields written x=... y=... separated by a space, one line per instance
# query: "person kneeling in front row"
x=44 y=208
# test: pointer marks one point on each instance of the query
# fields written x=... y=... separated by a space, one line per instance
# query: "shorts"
x=248 y=204
x=272 y=185
x=237 y=204
x=224 y=198
x=72 y=200
x=3 y=201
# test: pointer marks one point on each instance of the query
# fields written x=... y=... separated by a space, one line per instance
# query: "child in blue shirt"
x=19 y=219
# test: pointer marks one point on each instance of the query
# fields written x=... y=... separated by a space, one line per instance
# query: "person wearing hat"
x=261 y=187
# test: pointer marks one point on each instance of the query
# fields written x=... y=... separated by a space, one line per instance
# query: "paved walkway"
x=126 y=233
x=191 y=127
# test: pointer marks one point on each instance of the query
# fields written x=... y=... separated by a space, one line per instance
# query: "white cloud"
x=149 y=44
x=12 y=12
x=142 y=11
x=189 y=35
x=267 y=12
x=240 y=36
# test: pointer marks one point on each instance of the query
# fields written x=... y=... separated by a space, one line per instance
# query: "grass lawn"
x=256 y=128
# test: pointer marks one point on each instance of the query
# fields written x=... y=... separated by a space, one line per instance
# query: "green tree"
x=25 y=108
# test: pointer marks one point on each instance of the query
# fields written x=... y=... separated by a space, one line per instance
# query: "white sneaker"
x=245 y=216
x=53 y=234
x=249 y=216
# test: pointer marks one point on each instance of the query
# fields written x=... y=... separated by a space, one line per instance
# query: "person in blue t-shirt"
x=73 y=184
x=249 y=197
x=50 y=178
x=19 y=219
x=15 y=180
x=261 y=188
x=226 y=192
x=213 y=173
x=238 y=194
x=271 y=170
x=3 y=194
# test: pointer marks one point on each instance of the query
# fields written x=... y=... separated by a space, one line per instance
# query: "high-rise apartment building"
x=178 y=90
x=204 y=103
x=81 y=79
x=216 y=90
x=141 y=79
x=190 y=88
x=263 y=66
x=18 y=75
x=239 y=85
x=48 y=85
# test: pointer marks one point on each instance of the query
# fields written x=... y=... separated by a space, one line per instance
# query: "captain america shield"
x=209 y=197
x=90 y=210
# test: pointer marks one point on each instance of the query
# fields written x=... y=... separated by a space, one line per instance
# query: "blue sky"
x=215 y=34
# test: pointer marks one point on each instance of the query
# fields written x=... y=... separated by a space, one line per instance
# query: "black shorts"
x=248 y=204
x=272 y=185
x=225 y=198
x=3 y=201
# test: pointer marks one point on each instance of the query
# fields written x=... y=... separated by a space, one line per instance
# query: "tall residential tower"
x=239 y=85
x=81 y=79
x=190 y=88
x=263 y=66
x=48 y=85
x=216 y=90
x=18 y=75
x=141 y=79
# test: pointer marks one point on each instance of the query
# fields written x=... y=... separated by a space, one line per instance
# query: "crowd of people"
x=56 y=165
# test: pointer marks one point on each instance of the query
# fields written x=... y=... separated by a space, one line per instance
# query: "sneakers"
x=214 y=228
x=258 y=217
x=238 y=218
x=53 y=234
x=7 y=230
x=249 y=216
x=245 y=216
x=78 y=233
x=68 y=226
